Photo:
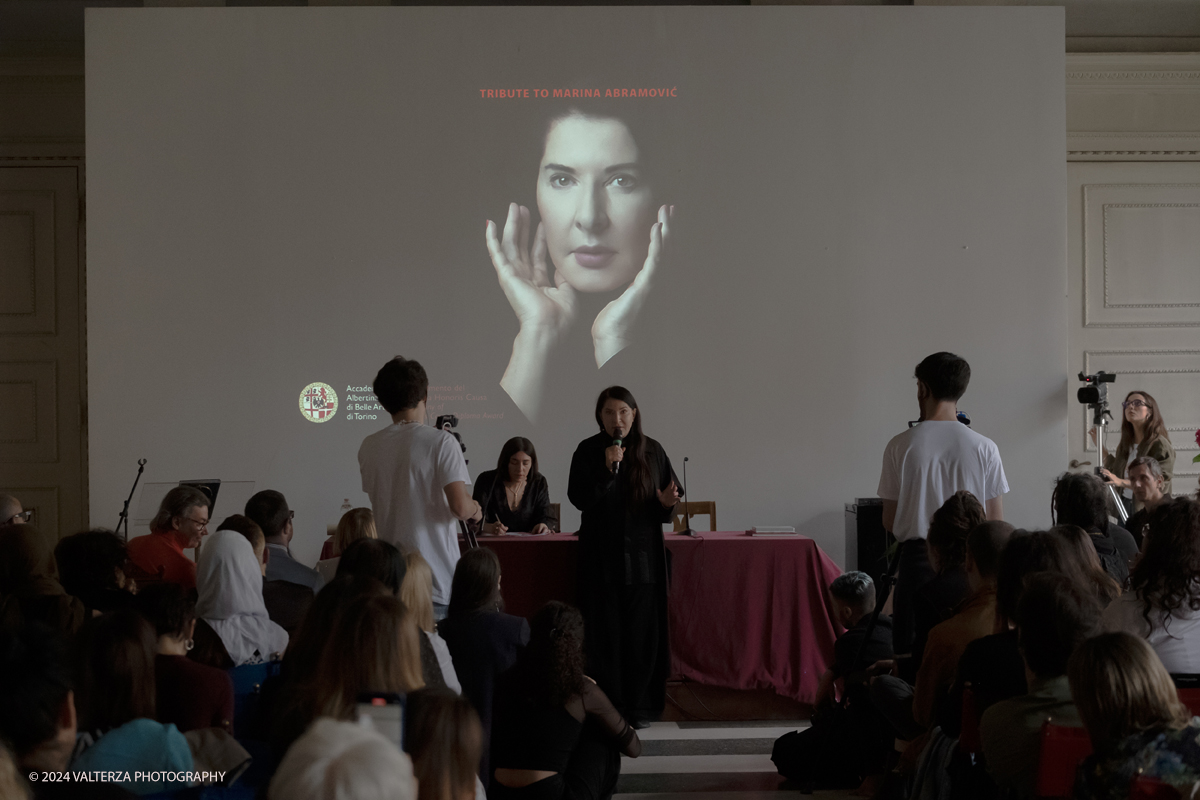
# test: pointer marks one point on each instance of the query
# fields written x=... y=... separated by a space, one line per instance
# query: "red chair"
x=1063 y=748
x=970 y=742
x=1191 y=699
x=1152 y=789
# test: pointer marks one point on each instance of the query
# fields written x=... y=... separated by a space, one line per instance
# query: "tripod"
x=124 y=518
x=1100 y=417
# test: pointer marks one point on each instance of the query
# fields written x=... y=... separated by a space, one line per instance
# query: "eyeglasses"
x=1134 y=404
x=199 y=523
x=17 y=519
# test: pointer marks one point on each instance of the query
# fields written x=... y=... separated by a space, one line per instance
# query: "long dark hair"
x=517 y=444
x=1167 y=576
x=445 y=740
x=951 y=524
x=551 y=665
x=1155 y=427
x=374 y=558
x=636 y=465
x=114 y=670
x=476 y=584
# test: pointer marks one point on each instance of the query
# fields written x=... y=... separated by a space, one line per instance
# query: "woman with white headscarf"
x=229 y=581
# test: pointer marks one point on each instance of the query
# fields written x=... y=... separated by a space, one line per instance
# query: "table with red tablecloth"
x=745 y=612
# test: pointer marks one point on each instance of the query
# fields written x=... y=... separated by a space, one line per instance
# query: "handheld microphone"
x=618 y=440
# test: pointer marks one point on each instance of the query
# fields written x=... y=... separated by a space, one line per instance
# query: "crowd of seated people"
x=118 y=660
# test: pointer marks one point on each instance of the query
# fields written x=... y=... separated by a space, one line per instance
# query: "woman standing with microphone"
x=623 y=485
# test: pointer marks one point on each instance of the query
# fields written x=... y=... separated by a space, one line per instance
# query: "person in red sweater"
x=180 y=524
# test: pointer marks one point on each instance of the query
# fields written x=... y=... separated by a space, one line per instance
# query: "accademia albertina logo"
x=318 y=402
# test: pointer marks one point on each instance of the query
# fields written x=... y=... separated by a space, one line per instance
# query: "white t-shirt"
x=1177 y=645
x=929 y=462
x=445 y=661
x=405 y=470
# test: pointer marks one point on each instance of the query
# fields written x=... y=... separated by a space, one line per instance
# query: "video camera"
x=447 y=423
x=1095 y=393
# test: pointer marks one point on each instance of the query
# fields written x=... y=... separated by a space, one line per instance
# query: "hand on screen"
x=611 y=332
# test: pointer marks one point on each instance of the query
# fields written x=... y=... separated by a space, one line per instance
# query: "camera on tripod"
x=447 y=423
x=1095 y=393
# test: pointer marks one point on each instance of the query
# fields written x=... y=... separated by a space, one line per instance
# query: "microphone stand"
x=124 y=518
x=687 y=521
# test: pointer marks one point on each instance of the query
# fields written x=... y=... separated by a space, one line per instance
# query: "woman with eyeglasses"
x=1143 y=433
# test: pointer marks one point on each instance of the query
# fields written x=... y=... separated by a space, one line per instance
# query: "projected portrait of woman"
x=603 y=229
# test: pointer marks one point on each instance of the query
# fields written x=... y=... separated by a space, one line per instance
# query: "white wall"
x=280 y=196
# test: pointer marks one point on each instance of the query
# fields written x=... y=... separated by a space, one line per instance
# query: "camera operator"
x=927 y=464
x=1143 y=433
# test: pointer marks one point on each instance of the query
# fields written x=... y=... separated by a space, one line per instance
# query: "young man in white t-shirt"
x=925 y=465
x=416 y=477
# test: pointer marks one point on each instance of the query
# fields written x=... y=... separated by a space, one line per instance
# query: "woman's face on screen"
x=595 y=202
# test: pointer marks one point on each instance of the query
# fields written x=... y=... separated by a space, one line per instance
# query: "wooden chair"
x=1063 y=748
x=970 y=741
x=695 y=507
x=556 y=524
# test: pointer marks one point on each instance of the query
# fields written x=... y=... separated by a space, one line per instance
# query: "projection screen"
x=281 y=199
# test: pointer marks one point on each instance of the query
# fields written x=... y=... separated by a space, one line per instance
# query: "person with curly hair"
x=1163 y=606
x=1082 y=499
x=556 y=733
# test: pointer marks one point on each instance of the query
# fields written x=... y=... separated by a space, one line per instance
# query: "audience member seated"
x=437 y=667
x=355 y=524
x=514 y=496
x=939 y=599
x=1146 y=478
x=992 y=665
x=1087 y=559
x=910 y=709
x=91 y=566
x=1163 y=604
x=1081 y=499
x=11 y=512
x=189 y=695
x=556 y=734
x=848 y=741
x=305 y=650
x=1133 y=715
x=115 y=698
x=29 y=587
x=180 y=524
x=482 y=639
x=37 y=710
x=233 y=627
x=374 y=558
x=1056 y=614
x=372 y=647
x=445 y=740
x=269 y=510
x=286 y=602
x=337 y=760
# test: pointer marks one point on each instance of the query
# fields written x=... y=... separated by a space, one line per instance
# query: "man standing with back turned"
x=416 y=477
x=925 y=465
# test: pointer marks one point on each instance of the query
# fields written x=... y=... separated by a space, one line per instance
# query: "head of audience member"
x=172 y=612
x=1146 y=479
x=1080 y=499
x=328 y=607
x=476 y=583
x=11 y=512
x=941 y=378
x=355 y=524
x=947 y=539
x=417 y=590
x=37 y=707
x=27 y=565
x=1141 y=412
x=114 y=670
x=384 y=641
x=1055 y=616
x=269 y=510
x=91 y=566
x=229 y=582
x=1121 y=688
x=402 y=388
x=445 y=739
x=253 y=533
x=1027 y=553
x=552 y=664
x=336 y=760
x=183 y=513
x=518 y=461
x=1088 y=560
x=1167 y=576
x=852 y=596
x=374 y=558
x=985 y=543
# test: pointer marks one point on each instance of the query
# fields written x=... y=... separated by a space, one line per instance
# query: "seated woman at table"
x=514 y=496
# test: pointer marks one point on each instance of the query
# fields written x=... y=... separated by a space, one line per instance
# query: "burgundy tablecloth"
x=745 y=613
